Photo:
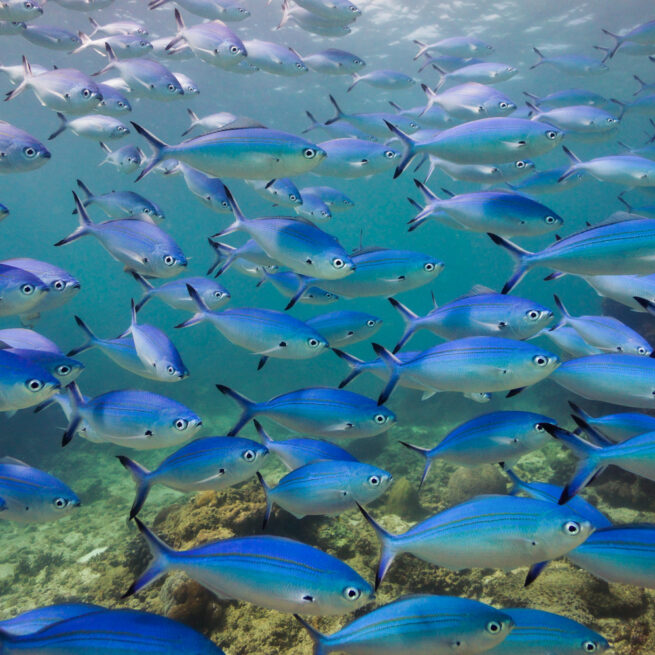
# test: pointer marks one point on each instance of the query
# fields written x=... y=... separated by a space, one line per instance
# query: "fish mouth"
x=46 y=154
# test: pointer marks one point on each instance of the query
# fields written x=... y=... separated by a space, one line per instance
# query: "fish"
x=286 y=282
x=213 y=42
x=293 y=242
x=31 y=495
x=22 y=151
x=124 y=46
x=209 y=123
x=176 y=295
x=274 y=58
x=227 y=10
x=209 y=190
x=503 y=436
x=578 y=119
x=337 y=129
x=281 y=192
x=122 y=204
x=92 y=127
x=624 y=288
x=606 y=333
x=11 y=28
x=456 y=46
x=616 y=427
x=63 y=89
x=567 y=98
x=552 y=493
x=325 y=488
x=156 y=350
x=535 y=631
x=246 y=153
x=313 y=208
x=126 y=159
x=336 y=200
x=118 y=27
x=633 y=455
x=208 y=463
x=571 y=64
x=113 y=103
x=627 y=170
x=180 y=52
x=469 y=101
x=617 y=379
x=144 y=77
x=189 y=87
x=20 y=10
x=494 y=140
x=312 y=23
x=506 y=213
x=389 y=80
x=548 y=181
x=297 y=452
x=419 y=623
x=23 y=383
x=569 y=341
x=42 y=617
x=28 y=339
x=427 y=118
x=62 y=368
x=21 y=291
x=485 y=72
x=331 y=10
x=622 y=247
x=264 y=332
x=472 y=365
x=481 y=312
x=140 y=245
x=352 y=158
x=481 y=173
x=621 y=554
x=51 y=37
x=17 y=73
x=333 y=61
x=341 y=328
x=250 y=252
x=132 y=418
x=319 y=411
x=493 y=531
x=272 y=572
x=121 y=631
x=642 y=34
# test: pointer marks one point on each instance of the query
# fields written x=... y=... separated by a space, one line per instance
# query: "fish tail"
x=162 y=555
x=141 y=476
x=285 y=14
x=179 y=21
x=106 y=149
x=27 y=76
x=86 y=191
x=388 y=545
x=646 y=304
x=85 y=227
x=94 y=25
x=153 y=4
x=339 y=113
x=202 y=309
x=409 y=318
x=194 y=121
x=61 y=128
x=159 y=149
x=442 y=79
x=428 y=459
x=355 y=365
x=110 y=64
x=320 y=640
x=356 y=80
x=517 y=484
x=519 y=255
x=315 y=123
x=394 y=364
x=641 y=83
x=224 y=253
x=621 y=104
x=269 y=502
x=89 y=343
x=565 y=314
x=265 y=437
x=618 y=42
x=575 y=163
x=409 y=149
x=422 y=49
x=239 y=218
x=303 y=284
x=76 y=400
x=85 y=41
x=590 y=455
x=539 y=61
x=146 y=285
x=430 y=95
x=579 y=412
x=248 y=407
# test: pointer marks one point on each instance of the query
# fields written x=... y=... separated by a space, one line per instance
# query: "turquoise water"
x=46 y=563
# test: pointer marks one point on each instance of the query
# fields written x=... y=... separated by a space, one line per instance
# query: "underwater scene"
x=327 y=327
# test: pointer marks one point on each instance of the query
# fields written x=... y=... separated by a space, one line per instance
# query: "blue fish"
x=175 y=294
x=23 y=383
x=617 y=427
x=286 y=282
x=419 y=624
x=207 y=463
x=342 y=328
x=42 y=617
x=272 y=572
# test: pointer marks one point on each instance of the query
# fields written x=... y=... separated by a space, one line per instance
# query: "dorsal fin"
x=12 y=460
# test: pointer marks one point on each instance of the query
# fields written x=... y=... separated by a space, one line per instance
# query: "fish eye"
x=171 y=87
x=218 y=294
x=428 y=266
x=34 y=385
x=181 y=424
x=520 y=164
x=169 y=260
x=494 y=627
x=352 y=593
x=337 y=262
x=502 y=104
x=374 y=480
x=551 y=134
x=86 y=93
x=144 y=44
x=309 y=153
x=248 y=455
x=389 y=154
x=533 y=314
x=59 y=285
x=357 y=61
x=146 y=210
x=234 y=49
x=550 y=220
x=225 y=204
x=589 y=647
x=572 y=527
x=413 y=124
x=29 y=152
x=121 y=104
x=370 y=322
x=170 y=370
x=313 y=343
x=380 y=418
x=538 y=427
x=641 y=350
x=353 y=8
x=27 y=289
x=299 y=66
x=64 y=369
x=27 y=5
x=60 y=503
x=540 y=360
